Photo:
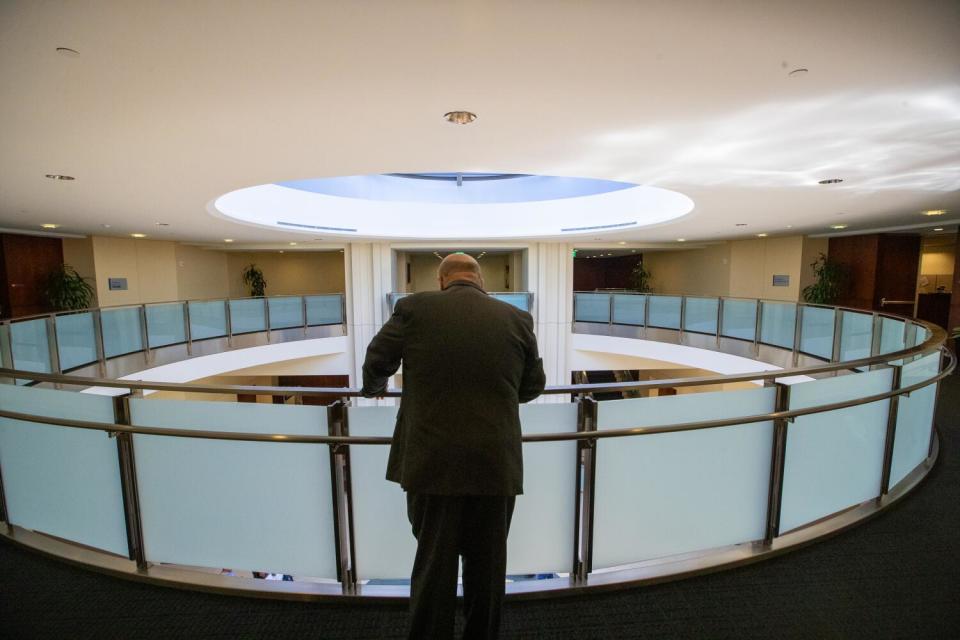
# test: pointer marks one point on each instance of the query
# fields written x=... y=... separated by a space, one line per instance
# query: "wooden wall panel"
x=603 y=273
x=859 y=255
x=27 y=261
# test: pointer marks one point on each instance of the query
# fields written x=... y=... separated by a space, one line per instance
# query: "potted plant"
x=67 y=290
x=253 y=278
x=640 y=278
x=831 y=278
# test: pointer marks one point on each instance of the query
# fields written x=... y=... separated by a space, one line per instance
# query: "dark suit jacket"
x=468 y=361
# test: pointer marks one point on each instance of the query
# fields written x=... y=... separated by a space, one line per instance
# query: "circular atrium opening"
x=453 y=205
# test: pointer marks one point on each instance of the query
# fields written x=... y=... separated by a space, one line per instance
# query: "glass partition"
x=61 y=481
x=519 y=300
x=700 y=315
x=856 y=335
x=891 y=335
x=671 y=493
x=76 y=340
x=31 y=348
x=816 y=331
x=591 y=307
x=911 y=443
x=834 y=460
x=664 y=312
x=122 y=332
x=208 y=319
x=324 y=310
x=247 y=316
x=165 y=324
x=778 y=322
x=286 y=312
x=739 y=319
x=258 y=506
x=629 y=308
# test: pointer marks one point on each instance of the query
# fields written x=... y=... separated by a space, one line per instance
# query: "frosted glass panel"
x=541 y=533
x=239 y=505
x=628 y=309
x=76 y=340
x=519 y=300
x=701 y=315
x=121 y=331
x=891 y=335
x=247 y=316
x=385 y=543
x=30 y=347
x=286 y=312
x=671 y=493
x=208 y=319
x=592 y=307
x=911 y=444
x=740 y=319
x=664 y=312
x=165 y=324
x=777 y=323
x=62 y=481
x=856 y=335
x=834 y=460
x=816 y=331
x=323 y=310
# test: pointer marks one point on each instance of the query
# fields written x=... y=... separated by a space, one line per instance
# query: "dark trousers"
x=447 y=527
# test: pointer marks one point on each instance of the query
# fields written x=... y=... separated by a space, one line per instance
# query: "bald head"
x=459 y=266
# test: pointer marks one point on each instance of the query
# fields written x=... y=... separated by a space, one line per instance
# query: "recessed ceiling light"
x=162 y=224
x=49 y=225
x=831 y=181
x=281 y=251
x=633 y=250
x=138 y=235
x=761 y=235
x=228 y=239
x=934 y=212
x=939 y=229
x=293 y=244
x=681 y=239
x=621 y=243
x=460 y=117
x=67 y=51
x=798 y=73
x=58 y=176
x=838 y=226
x=105 y=226
x=789 y=226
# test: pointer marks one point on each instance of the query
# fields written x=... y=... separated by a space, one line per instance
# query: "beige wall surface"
x=703 y=272
x=201 y=273
x=78 y=253
x=148 y=265
x=423 y=272
x=288 y=273
x=493 y=269
x=753 y=263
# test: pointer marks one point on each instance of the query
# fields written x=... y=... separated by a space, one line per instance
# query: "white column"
x=369 y=274
x=550 y=274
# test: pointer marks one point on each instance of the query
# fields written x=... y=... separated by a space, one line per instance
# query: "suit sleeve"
x=383 y=355
x=533 y=381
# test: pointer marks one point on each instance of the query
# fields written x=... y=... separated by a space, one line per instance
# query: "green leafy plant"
x=831 y=280
x=253 y=278
x=640 y=278
x=67 y=290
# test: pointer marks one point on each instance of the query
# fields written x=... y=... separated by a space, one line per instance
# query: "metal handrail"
x=789 y=415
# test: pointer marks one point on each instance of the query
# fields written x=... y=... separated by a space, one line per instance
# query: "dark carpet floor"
x=897 y=576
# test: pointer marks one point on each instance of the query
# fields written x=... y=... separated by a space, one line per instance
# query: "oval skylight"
x=452 y=205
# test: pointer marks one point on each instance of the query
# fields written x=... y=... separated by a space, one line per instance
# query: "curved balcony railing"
x=617 y=492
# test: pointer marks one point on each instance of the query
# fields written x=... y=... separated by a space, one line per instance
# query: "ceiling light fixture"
x=681 y=239
x=138 y=235
x=939 y=229
x=831 y=181
x=621 y=243
x=934 y=212
x=67 y=51
x=761 y=235
x=162 y=224
x=58 y=176
x=105 y=226
x=49 y=225
x=838 y=226
x=460 y=117
x=228 y=239
x=293 y=244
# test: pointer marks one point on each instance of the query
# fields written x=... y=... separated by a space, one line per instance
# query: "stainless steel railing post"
x=683 y=319
x=342 y=493
x=757 y=328
x=228 y=316
x=128 y=483
x=98 y=343
x=797 y=335
x=145 y=334
x=585 y=492
x=777 y=459
x=837 y=336
x=719 y=320
x=266 y=316
x=187 y=333
x=889 y=438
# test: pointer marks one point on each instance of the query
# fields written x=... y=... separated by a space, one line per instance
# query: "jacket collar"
x=464 y=283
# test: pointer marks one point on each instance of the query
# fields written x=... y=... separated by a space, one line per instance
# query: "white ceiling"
x=172 y=103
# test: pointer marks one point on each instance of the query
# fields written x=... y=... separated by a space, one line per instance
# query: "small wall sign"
x=781 y=280
x=117 y=284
